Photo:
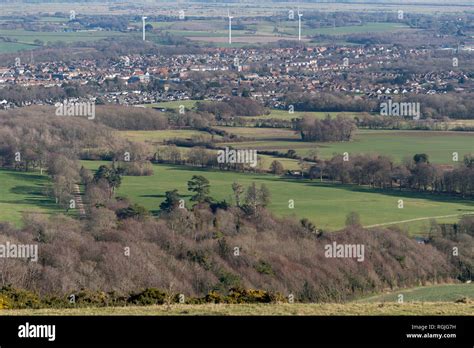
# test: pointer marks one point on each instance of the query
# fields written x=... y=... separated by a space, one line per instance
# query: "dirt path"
x=79 y=203
x=417 y=219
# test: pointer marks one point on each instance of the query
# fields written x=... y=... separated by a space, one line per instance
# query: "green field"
x=22 y=192
x=265 y=30
x=273 y=113
x=11 y=47
x=435 y=293
x=286 y=115
x=173 y=105
x=263 y=134
x=159 y=136
x=325 y=204
x=397 y=144
x=25 y=39
x=212 y=31
x=365 y=28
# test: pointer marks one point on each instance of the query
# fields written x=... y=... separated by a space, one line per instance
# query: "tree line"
x=381 y=172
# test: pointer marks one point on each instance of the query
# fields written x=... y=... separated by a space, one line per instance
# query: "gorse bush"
x=147 y=297
x=18 y=298
x=21 y=299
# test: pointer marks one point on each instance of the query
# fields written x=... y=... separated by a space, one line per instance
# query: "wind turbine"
x=299 y=24
x=230 y=26
x=143 y=20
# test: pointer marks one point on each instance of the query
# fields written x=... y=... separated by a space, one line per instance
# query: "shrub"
x=4 y=302
x=137 y=168
x=91 y=298
x=264 y=268
x=214 y=297
x=149 y=296
x=132 y=211
x=19 y=299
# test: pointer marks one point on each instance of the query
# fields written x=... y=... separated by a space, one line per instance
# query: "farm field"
x=460 y=123
x=262 y=134
x=26 y=39
x=373 y=309
x=266 y=31
x=22 y=192
x=325 y=204
x=173 y=105
x=211 y=31
x=250 y=9
x=285 y=115
x=159 y=136
x=435 y=293
x=397 y=144
x=11 y=47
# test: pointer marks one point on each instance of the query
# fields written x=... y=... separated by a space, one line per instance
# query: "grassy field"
x=273 y=113
x=212 y=31
x=22 y=192
x=215 y=31
x=263 y=134
x=157 y=139
x=11 y=47
x=26 y=36
x=285 y=115
x=325 y=204
x=160 y=136
x=246 y=9
x=436 y=293
x=373 y=309
x=173 y=105
x=25 y=39
x=397 y=144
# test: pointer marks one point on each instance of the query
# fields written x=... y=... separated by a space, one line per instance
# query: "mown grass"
x=22 y=192
x=372 y=309
x=324 y=203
